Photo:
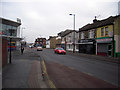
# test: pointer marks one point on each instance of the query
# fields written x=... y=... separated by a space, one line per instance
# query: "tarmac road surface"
x=102 y=73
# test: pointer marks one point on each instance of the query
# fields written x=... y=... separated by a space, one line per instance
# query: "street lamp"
x=10 y=31
x=74 y=33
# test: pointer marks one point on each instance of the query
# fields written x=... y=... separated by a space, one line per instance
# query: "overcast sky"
x=44 y=18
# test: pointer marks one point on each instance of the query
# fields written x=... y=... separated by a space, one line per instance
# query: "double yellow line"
x=45 y=73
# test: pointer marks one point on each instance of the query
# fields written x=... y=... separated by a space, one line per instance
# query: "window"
x=102 y=31
x=106 y=31
x=4 y=29
x=92 y=34
x=82 y=35
x=89 y=34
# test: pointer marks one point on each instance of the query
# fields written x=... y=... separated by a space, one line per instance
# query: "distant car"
x=30 y=46
x=39 y=48
x=60 y=51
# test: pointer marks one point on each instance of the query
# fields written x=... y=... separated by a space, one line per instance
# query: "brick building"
x=52 y=42
x=40 y=42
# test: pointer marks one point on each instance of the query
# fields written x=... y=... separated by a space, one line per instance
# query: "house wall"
x=87 y=45
x=70 y=40
x=48 y=44
x=53 y=42
x=0 y=53
x=104 y=43
x=58 y=42
x=117 y=36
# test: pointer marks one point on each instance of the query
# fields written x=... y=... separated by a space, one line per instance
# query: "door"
x=109 y=49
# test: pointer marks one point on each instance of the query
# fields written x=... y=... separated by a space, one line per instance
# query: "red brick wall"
x=4 y=52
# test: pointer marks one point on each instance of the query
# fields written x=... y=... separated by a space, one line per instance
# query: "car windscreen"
x=60 y=48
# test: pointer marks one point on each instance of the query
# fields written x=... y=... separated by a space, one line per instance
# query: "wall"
x=4 y=52
x=117 y=36
x=48 y=44
x=0 y=53
x=58 y=42
x=53 y=42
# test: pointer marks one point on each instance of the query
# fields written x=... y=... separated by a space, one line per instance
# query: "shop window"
x=4 y=29
x=68 y=46
x=77 y=46
x=102 y=31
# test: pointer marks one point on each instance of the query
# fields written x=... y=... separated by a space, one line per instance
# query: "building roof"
x=10 y=22
x=66 y=32
x=99 y=23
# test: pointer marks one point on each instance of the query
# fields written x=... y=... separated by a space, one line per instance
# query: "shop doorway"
x=109 y=49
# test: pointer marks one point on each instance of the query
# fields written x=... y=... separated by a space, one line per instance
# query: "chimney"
x=95 y=20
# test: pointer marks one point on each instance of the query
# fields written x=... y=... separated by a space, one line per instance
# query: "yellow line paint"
x=45 y=71
x=71 y=68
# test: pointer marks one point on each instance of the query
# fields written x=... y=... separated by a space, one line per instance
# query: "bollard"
x=43 y=76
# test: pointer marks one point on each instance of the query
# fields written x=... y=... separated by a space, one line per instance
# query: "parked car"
x=39 y=48
x=60 y=51
x=31 y=46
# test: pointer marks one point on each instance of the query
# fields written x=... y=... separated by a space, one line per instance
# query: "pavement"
x=97 y=57
x=23 y=72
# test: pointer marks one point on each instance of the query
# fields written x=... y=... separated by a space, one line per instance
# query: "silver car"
x=39 y=48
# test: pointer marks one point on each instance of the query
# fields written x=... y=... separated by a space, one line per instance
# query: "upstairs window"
x=91 y=34
x=106 y=31
x=102 y=31
x=82 y=35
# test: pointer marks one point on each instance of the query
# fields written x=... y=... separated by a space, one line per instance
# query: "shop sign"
x=1 y=33
x=104 y=40
x=110 y=34
x=87 y=40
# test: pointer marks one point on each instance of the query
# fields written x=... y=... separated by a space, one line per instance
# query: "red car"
x=60 y=51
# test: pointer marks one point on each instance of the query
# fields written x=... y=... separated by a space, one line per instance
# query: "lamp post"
x=74 y=32
x=10 y=31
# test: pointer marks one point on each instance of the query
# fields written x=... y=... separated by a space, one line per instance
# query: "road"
x=102 y=70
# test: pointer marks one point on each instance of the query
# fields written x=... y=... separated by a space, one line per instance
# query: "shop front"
x=104 y=46
x=87 y=46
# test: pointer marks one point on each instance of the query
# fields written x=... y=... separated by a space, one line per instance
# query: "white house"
x=68 y=39
x=48 y=43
